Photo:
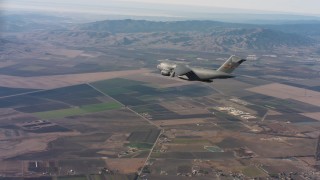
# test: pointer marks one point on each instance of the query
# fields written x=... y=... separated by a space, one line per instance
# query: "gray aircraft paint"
x=231 y=64
x=200 y=74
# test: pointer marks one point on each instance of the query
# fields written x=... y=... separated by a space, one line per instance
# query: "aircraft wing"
x=181 y=70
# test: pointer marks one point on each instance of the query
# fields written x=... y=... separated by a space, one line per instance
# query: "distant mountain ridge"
x=193 y=34
x=183 y=35
x=135 y=26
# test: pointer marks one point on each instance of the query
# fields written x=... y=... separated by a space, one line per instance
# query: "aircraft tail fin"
x=231 y=64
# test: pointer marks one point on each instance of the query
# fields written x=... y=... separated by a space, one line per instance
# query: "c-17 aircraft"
x=200 y=74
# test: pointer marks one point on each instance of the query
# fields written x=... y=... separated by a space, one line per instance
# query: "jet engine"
x=166 y=68
x=165 y=72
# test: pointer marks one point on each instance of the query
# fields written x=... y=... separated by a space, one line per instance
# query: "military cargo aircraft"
x=200 y=74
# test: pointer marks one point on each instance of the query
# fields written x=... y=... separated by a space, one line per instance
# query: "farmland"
x=116 y=125
x=78 y=111
x=79 y=104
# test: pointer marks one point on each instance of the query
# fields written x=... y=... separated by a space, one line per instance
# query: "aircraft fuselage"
x=206 y=74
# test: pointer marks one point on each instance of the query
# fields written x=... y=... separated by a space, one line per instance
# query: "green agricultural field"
x=140 y=145
x=101 y=107
x=116 y=86
x=213 y=148
x=60 y=113
x=78 y=110
x=253 y=172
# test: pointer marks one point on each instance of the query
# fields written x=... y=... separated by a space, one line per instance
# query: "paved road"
x=155 y=143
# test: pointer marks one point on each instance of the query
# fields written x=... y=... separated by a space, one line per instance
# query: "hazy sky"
x=298 y=6
x=293 y=6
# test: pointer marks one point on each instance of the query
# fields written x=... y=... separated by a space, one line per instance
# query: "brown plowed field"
x=288 y=92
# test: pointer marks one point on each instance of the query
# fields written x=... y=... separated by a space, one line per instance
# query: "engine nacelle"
x=166 y=68
x=165 y=73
